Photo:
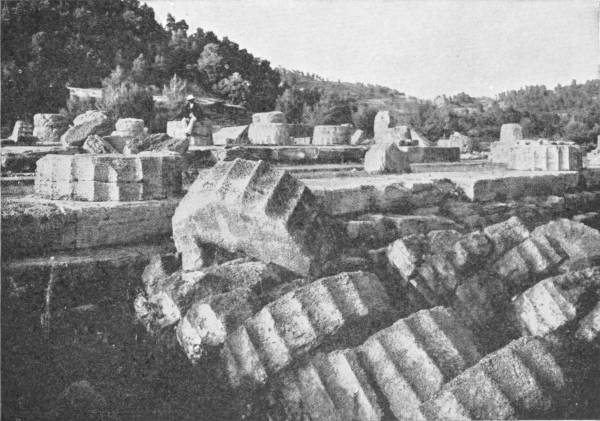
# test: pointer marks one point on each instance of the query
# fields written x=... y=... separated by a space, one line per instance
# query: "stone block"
x=545 y=157
x=251 y=207
x=231 y=136
x=332 y=135
x=130 y=126
x=109 y=177
x=523 y=379
x=511 y=133
x=201 y=132
x=269 y=134
x=386 y=158
x=21 y=129
x=159 y=142
x=457 y=140
x=49 y=127
x=84 y=125
x=578 y=242
x=419 y=154
x=37 y=227
x=357 y=137
x=94 y=144
x=269 y=117
x=554 y=302
x=406 y=363
x=289 y=328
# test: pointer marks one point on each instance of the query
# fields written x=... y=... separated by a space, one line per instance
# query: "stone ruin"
x=458 y=140
x=531 y=155
x=269 y=129
x=106 y=177
x=312 y=292
x=593 y=157
x=201 y=132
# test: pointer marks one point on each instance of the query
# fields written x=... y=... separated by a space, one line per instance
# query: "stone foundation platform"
x=40 y=227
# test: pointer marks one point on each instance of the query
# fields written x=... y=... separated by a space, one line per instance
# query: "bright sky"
x=423 y=48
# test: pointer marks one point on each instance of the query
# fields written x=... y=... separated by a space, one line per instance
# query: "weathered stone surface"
x=357 y=137
x=130 y=126
x=34 y=227
x=231 y=136
x=545 y=157
x=386 y=158
x=269 y=117
x=21 y=130
x=168 y=298
x=554 y=302
x=49 y=127
x=510 y=133
x=295 y=324
x=269 y=134
x=387 y=127
x=457 y=140
x=578 y=242
x=109 y=177
x=406 y=254
x=523 y=379
x=201 y=132
x=589 y=327
x=251 y=207
x=159 y=142
x=418 y=154
x=394 y=370
x=84 y=125
x=332 y=135
x=96 y=145
x=379 y=230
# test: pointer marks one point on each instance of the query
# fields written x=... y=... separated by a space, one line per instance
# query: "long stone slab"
x=304 y=154
x=22 y=159
x=37 y=227
x=381 y=193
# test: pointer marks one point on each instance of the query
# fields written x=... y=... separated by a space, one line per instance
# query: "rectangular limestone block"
x=418 y=154
x=269 y=134
x=36 y=227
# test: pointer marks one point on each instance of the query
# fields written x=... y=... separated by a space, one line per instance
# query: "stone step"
x=520 y=380
x=393 y=372
x=286 y=329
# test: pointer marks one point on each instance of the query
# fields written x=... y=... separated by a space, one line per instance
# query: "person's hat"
x=189 y=98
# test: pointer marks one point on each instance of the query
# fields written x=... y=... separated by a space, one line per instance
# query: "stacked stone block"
x=332 y=135
x=100 y=178
x=269 y=128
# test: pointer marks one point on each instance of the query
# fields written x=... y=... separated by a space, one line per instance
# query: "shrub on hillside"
x=76 y=106
x=123 y=98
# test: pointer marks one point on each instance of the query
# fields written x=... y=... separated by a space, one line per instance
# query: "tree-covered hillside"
x=118 y=45
x=48 y=44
